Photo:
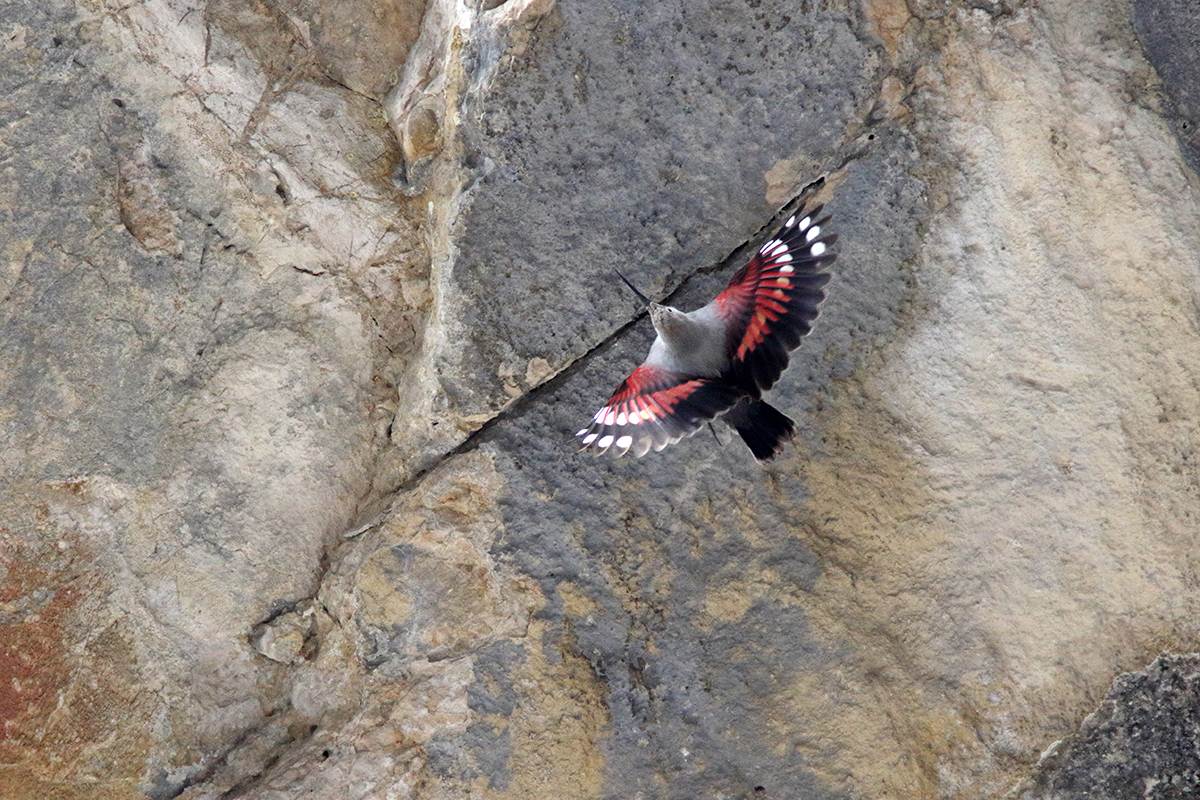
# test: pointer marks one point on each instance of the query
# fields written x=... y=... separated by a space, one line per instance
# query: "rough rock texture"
x=1169 y=30
x=302 y=302
x=1143 y=741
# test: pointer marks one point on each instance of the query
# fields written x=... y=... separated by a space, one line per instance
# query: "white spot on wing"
x=610 y=417
x=818 y=248
x=790 y=222
x=582 y=431
x=624 y=442
x=812 y=234
x=622 y=419
x=779 y=247
x=804 y=223
x=591 y=437
x=605 y=441
x=787 y=269
x=786 y=258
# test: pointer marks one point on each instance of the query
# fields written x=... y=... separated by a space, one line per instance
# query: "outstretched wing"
x=653 y=408
x=772 y=301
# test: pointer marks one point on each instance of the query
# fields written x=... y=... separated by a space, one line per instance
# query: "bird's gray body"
x=691 y=343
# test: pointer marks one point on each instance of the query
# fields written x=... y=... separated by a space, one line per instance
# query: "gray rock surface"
x=601 y=101
x=1169 y=30
x=302 y=302
x=1143 y=740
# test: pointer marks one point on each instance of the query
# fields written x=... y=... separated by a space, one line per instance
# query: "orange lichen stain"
x=32 y=676
x=34 y=664
x=72 y=710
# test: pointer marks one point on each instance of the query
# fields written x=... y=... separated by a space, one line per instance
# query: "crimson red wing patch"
x=653 y=408
x=772 y=301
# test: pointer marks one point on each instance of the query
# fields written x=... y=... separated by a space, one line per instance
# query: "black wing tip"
x=806 y=211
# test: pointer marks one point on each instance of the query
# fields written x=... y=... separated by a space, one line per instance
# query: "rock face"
x=1141 y=742
x=302 y=302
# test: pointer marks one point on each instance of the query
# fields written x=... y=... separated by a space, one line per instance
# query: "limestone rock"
x=303 y=300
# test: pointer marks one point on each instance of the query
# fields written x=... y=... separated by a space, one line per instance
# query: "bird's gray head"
x=668 y=321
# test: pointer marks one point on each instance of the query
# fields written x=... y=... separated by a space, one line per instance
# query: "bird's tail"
x=763 y=427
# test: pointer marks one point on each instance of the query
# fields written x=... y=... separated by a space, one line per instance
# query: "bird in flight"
x=717 y=361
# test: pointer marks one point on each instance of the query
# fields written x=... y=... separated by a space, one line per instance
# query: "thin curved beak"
x=641 y=296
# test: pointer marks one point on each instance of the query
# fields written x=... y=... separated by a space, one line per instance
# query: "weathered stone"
x=286 y=638
x=302 y=303
x=1142 y=742
x=189 y=319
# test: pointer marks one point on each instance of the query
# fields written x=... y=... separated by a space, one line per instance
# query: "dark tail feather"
x=763 y=428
